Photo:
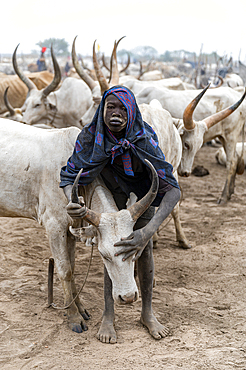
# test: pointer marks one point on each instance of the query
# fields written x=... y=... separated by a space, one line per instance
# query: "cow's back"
x=31 y=159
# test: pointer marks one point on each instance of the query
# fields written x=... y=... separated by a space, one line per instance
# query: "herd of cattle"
x=42 y=116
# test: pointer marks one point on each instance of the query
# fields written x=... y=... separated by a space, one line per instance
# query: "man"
x=115 y=145
x=41 y=61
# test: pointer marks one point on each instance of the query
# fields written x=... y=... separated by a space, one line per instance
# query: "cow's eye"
x=37 y=105
x=186 y=146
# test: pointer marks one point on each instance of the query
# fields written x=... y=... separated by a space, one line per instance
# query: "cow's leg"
x=57 y=235
x=146 y=277
x=231 y=168
x=71 y=243
x=106 y=333
x=180 y=236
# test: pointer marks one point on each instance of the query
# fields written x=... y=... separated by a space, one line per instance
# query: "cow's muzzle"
x=128 y=299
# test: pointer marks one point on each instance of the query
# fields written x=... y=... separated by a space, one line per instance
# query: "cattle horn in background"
x=138 y=208
x=7 y=103
x=189 y=124
x=215 y=87
x=57 y=77
x=21 y=75
x=210 y=121
x=114 y=71
x=124 y=68
x=217 y=117
x=100 y=76
x=81 y=72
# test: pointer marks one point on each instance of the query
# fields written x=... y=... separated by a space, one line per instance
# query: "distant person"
x=67 y=66
x=41 y=61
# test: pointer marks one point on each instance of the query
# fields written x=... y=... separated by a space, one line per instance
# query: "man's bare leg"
x=106 y=333
x=146 y=276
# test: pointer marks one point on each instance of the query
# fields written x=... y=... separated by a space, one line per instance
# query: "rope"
x=88 y=269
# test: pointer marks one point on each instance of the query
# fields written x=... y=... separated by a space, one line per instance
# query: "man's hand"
x=133 y=244
x=75 y=210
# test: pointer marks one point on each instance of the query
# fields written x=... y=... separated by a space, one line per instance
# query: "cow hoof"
x=77 y=328
x=184 y=245
x=76 y=323
x=222 y=202
x=86 y=315
x=155 y=244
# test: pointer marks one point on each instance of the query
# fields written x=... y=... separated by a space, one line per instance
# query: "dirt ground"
x=199 y=293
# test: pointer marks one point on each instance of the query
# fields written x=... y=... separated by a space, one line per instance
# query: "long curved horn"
x=189 y=124
x=100 y=76
x=127 y=64
x=57 y=78
x=143 y=204
x=104 y=63
x=221 y=82
x=215 y=87
x=7 y=103
x=114 y=72
x=217 y=117
x=141 y=71
x=81 y=72
x=20 y=74
x=92 y=217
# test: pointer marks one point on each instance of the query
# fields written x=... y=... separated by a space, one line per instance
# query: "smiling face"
x=115 y=115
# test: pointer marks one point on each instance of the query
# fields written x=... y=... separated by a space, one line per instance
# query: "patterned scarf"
x=96 y=145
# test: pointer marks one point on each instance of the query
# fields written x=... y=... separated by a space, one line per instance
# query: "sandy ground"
x=199 y=293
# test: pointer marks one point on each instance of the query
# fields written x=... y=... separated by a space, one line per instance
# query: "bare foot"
x=106 y=333
x=156 y=329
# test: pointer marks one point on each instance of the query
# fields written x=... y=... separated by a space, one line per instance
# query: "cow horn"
x=92 y=217
x=137 y=209
x=7 y=103
x=215 y=87
x=217 y=117
x=100 y=76
x=127 y=64
x=114 y=72
x=57 y=78
x=189 y=124
x=104 y=63
x=20 y=74
x=81 y=72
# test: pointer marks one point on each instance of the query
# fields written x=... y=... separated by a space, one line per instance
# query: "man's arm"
x=67 y=191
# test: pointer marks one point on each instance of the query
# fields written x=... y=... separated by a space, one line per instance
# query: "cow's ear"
x=82 y=233
x=181 y=130
x=52 y=107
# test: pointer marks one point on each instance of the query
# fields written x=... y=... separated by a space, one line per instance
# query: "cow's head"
x=110 y=227
x=192 y=132
x=37 y=106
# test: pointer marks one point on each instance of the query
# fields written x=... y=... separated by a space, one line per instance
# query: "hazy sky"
x=163 y=24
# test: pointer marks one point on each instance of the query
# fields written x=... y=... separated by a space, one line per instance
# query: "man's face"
x=115 y=115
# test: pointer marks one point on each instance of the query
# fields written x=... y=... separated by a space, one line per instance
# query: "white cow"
x=227 y=130
x=195 y=133
x=61 y=108
x=220 y=155
x=172 y=83
x=29 y=188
